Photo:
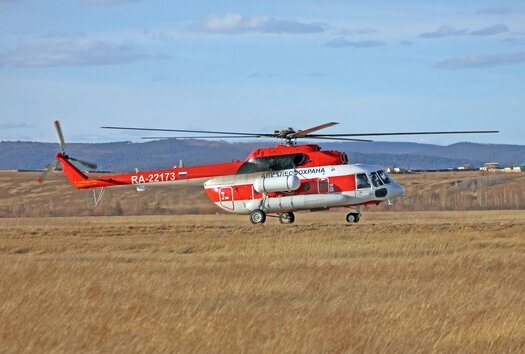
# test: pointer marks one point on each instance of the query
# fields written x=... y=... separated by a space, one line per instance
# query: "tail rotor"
x=50 y=167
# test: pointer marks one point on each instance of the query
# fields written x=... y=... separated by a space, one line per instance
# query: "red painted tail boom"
x=195 y=175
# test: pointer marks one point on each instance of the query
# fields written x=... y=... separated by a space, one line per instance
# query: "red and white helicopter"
x=273 y=181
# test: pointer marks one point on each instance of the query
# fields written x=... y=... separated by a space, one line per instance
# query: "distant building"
x=466 y=167
x=395 y=169
x=494 y=167
x=490 y=166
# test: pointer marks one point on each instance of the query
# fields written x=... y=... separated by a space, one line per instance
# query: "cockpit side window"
x=384 y=176
x=376 y=181
x=362 y=181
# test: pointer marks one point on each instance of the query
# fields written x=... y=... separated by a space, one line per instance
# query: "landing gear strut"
x=352 y=217
x=287 y=218
x=257 y=217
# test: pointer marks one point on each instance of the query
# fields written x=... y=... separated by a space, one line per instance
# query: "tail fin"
x=73 y=174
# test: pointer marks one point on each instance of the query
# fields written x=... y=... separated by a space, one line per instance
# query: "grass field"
x=396 y=282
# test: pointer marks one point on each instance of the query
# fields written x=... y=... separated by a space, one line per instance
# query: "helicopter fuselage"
x=309 y=188
x=278 y=180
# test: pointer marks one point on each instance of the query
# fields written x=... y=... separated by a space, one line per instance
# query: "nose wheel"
x=257 y=217
x=352 y=217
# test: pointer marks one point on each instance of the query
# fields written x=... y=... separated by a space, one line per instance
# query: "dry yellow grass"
x=397 y=282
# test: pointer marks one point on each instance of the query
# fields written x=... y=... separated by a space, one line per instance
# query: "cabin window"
x=362 y=181
x=273 y=163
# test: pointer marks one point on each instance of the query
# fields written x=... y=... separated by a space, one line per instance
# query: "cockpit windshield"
x=376 y=181
x=384 y=176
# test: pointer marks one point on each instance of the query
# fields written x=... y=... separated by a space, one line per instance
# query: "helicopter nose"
x=396 y=190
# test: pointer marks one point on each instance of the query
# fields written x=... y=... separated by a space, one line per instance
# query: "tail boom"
x=195 y=175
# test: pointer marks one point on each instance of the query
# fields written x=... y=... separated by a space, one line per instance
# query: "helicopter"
x=270 y=182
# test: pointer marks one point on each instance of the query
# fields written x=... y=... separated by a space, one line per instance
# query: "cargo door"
x=226 y=197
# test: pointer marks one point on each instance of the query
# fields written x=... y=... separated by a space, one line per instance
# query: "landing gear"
x=352 y=217
x=287 y=218
x=257 y=217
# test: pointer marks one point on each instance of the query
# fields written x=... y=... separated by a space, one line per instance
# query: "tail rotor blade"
x=88 y=164
x=60 y=136
x=49 y=167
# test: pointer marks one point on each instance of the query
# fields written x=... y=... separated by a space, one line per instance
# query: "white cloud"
x=443 y=31
x=482 y=61
x=446 y=31
x=70 y=52
x=491 y=30
x=341 y=42
x=358 y=31
x=236 y=24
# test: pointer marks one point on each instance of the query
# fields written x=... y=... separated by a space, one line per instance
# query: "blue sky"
x=256 y=66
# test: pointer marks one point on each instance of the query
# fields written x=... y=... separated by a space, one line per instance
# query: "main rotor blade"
x=412 y=133
x=49 y=167
x=88 y=164
x=202 y=137
x=60 y=136
x=336 y=138
x=301 y=133
x=190 y=131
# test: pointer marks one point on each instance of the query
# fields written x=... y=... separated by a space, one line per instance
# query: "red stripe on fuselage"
x=336 y=184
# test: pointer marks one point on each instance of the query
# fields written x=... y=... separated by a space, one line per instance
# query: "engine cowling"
x=277 y=184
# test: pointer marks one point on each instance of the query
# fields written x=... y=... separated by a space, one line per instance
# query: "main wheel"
x=287 y=218
x=257 y=217
x=352 y=217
